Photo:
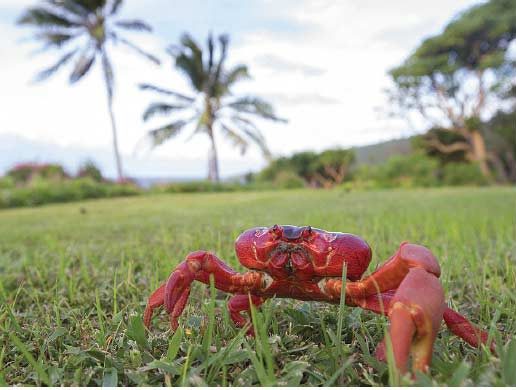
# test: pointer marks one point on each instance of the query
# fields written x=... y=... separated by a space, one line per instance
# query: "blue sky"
x=323 y=64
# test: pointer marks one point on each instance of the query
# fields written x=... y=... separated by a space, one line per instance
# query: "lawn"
x=75 y=279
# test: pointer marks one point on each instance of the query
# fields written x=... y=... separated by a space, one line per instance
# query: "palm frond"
x=259 y=140
x=195 y=74
x=255 y=106
x=70 y=6
x=94 y=6
x=114 y=7
x=223 y=41
x=161 y=109
x=164 y=133
x=211 y=47
x=188 y=42
x=200 y=126
x=137 y=49
x=107 y=69
x=252 y=132
x=241 y=121
x=239 y=72
x=54 y=39
x=236 y=139
x=136 y=25
x=42 y=17
x=189 y=60
x=82 y=66
x=168 y=92
x=43 y=75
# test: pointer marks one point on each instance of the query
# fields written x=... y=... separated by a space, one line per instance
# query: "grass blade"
x=174 y=344
x=338 y=373
x=136 y=332
x=110 y=378
x=208 y=335
x=42 y=374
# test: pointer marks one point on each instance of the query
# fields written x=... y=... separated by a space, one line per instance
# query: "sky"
x=322 y=63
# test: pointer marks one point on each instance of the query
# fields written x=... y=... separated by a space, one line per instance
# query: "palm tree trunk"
x=213 y=162
x=118 y=160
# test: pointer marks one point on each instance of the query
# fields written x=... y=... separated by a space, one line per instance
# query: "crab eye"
x=307 y=232
x=276 y=231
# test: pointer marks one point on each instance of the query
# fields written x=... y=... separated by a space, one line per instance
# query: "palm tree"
x=213 y=109
x=82 y=28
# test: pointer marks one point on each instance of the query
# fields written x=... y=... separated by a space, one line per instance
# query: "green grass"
x=75 y=279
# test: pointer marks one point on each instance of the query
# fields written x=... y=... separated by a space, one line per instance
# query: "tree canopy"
x=451 y=78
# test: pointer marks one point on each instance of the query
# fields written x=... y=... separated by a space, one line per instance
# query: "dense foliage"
x=42 y=192
x=25 y=172
x=451 y=77
x=418 y=169
x=33 y=184
x=325 y=169
x=90 y=169
x=199 y=186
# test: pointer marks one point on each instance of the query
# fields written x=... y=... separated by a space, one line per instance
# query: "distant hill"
x=379 y=153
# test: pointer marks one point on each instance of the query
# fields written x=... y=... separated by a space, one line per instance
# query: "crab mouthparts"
x=290 y=261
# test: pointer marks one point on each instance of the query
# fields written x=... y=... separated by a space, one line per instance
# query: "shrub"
x=455 y=174
x=25 y=172
x=6 y=182
x=414 y=170
x=90 y=169
x=41 y=192
x=200 y=186
x=326 y=169
x=288 y=179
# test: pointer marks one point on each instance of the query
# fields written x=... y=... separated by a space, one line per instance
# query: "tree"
x=500 y=137
x=82 y=29
x=332 y=166
x=214 y=109
x=450 y=78
x=90 y=170
x=326 y=169
x=443 y=136
x=501 y=130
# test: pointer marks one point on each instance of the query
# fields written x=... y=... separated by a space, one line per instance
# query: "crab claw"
x=177 y=291
x=415 y=313
x=198 y=266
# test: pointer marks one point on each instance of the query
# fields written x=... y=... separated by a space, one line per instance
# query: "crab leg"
x=156 y=300
x=460 y=326
x=415 y=311
x=242 y=302
x=390 y=275
x=198 y=266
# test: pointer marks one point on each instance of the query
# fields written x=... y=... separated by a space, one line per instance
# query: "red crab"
x=307 y=264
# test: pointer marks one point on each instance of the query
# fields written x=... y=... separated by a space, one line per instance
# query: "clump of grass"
x=73 y=286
